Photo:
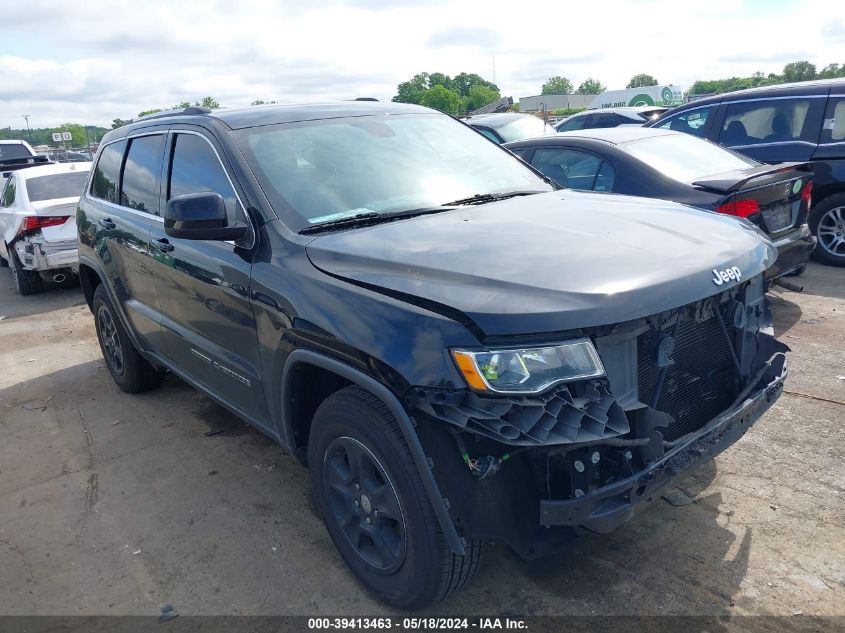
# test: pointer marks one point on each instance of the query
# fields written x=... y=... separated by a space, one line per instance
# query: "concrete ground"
x=116 y=504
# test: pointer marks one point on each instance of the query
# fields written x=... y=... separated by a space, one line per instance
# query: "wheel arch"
x=302 y=364
x=89 y=279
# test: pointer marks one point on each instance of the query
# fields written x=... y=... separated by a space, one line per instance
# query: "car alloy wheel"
x=111 y=340
x=364 y=504
x=831 y=231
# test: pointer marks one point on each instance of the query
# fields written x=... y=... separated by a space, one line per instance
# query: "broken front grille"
x=701 y=383
x=582 y=412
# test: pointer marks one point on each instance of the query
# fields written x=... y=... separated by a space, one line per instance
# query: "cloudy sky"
x=94 y=60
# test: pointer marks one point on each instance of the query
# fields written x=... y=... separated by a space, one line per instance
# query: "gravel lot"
x=116 y=504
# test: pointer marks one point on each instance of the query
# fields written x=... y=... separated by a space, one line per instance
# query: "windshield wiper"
x=481 y=198
x=372 y=217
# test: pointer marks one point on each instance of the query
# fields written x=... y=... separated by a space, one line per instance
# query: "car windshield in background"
x=685 y=158
x=333 y=169
x=524 y=127
x=69 y=185
x=13 y=151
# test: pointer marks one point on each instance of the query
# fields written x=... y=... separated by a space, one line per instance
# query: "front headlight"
x=528 y=370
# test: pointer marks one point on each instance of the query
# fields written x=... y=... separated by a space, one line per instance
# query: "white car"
x=38 y=223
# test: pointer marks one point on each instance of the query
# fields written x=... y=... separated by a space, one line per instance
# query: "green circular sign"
x=666 y=95
x=641 y=100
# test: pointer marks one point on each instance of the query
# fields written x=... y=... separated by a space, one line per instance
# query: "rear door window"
x=689 y=121
x=571 y=168
x=140 y=184
x=105 y=183
x=763 y=122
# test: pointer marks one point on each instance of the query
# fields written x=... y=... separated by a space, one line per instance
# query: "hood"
x=550 y=262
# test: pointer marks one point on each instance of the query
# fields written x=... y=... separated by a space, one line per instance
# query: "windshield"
x=686 y=158
x=321 y=171
x=69 y=185
x=524 y=127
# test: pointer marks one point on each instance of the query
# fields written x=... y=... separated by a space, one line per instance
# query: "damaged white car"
x=38 y=224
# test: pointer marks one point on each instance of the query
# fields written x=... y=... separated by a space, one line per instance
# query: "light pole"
x=28 y=133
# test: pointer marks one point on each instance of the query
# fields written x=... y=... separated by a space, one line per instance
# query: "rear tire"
x=127 y=367
x=27 y=282
x=827 y=222
x=381 y=504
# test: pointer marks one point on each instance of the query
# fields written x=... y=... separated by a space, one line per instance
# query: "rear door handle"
x=106 y=223
x=163 y=245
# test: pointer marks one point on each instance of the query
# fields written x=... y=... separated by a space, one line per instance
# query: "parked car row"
x=457 y=348
x=785 y=125
x=656 y=163
x=792 y=122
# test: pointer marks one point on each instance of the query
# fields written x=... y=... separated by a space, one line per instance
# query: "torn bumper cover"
x=603 y=509
x=36 y=253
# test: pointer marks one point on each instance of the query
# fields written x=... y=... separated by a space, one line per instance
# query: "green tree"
x=557 y=85
x=412 y=91
x=479 y=96
x=116 y=123
x=464 y=82
x=150 y=111
x=439 y=79
x=208 y=102
x=590 y=86
x=441 y=98
x=799 y=71
x=638 y=81
x=78 y=132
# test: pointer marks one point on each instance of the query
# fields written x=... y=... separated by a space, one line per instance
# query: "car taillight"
x=739 y=208
x=35 y=222
x=807 y=194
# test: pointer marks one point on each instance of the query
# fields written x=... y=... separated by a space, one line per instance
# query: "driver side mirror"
x=200 y=216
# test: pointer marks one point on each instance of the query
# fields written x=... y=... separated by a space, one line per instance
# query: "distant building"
x=643 y=96
x=548 y=103
x=646 y=95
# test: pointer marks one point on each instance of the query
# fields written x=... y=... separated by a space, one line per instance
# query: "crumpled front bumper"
x=604 y=509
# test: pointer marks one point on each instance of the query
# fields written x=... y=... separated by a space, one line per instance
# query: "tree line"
x=82 y=134
x=462 y=93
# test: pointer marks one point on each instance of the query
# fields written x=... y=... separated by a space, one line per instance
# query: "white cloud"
x=97 y=60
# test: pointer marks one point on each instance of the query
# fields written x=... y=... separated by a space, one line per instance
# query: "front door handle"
x=106 y=223
x=163 y=245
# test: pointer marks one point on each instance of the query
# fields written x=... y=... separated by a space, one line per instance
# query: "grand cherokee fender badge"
x=728 y=274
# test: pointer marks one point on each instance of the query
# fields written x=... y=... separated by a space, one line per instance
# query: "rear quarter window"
x=105 y=182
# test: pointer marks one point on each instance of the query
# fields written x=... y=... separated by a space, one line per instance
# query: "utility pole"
x=28 y=133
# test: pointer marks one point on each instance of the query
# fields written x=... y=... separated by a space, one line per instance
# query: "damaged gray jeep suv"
x=456 y=348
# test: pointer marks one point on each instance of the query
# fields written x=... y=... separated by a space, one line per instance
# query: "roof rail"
x=177 y=112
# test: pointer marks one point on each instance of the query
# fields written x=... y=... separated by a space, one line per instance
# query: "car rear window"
x=12 y=151
x=685 y=158
x=69 y=185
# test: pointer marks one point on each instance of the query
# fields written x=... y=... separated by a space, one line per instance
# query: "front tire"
x=27 y=282
x=375 y=507
x=827 y=222
x=127 y=367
